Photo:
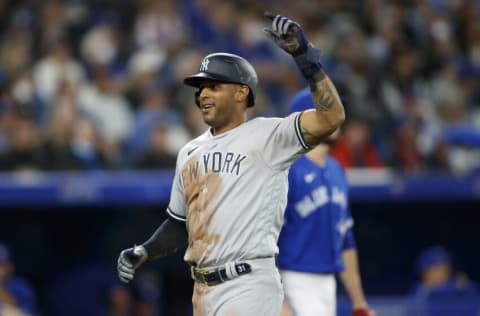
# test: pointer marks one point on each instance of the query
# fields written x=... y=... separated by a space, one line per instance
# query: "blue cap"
x=301 y=101
x=106 y=18
x=467 y=69
x=432 y=256
x=22 y=18
x=4 y=253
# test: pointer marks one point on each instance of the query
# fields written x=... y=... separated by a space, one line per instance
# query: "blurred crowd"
x=88 y=85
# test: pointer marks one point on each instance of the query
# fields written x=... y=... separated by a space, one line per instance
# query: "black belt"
x=218 y=275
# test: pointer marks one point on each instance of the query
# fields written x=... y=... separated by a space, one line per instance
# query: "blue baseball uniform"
x=317 y=229
x=318 y=224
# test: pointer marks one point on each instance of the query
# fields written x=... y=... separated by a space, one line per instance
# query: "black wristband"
x=309 y=62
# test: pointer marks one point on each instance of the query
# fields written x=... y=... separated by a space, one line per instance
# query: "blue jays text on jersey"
x=318 y=224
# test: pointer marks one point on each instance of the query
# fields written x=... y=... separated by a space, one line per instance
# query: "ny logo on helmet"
x=204 y=65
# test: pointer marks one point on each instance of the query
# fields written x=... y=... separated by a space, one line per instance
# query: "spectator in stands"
x=100 y=45
x=17 y=41
x=17 y=296
x=407 y=156
x=7 y=121
x=456 y=121
x=52 y=19
x=354 y=148
x=439 y=291
x=111 y=112
x=57 y=67
x=85 y=146
x=159 y=24
x=72 y=143
x=157 y=156
x=155 y=108
x=144 y=69
x=24 y=146
x=58 y=153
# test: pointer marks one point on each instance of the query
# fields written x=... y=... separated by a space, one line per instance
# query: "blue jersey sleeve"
x=349 y=238
x=349 y=241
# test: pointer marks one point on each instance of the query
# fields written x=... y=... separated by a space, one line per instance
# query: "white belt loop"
x=230 y=270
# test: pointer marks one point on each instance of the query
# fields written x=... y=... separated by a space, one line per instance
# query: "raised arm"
x=329 y=114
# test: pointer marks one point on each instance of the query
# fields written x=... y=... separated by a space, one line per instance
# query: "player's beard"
x=217 y=116
x=209 y=117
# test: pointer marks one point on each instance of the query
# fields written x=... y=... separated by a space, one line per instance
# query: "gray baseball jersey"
x=231 y=189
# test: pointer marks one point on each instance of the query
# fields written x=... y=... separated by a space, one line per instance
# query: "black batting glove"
x=287 y=34
x=290 y=37
x=129 y=260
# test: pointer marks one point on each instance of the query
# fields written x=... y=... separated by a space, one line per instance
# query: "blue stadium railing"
x=85 y=188
x=31 y=188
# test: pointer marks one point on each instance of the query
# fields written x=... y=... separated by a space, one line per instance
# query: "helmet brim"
x=196 y=79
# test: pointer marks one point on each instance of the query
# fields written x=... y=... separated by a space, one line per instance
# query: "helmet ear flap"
x=197 y=98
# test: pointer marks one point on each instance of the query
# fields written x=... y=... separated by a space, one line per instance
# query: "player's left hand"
x=363 y=312
x=287 y=34
x=128 y=261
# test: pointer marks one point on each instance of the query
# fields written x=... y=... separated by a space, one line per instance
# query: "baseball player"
x=230 y=185
x=317 y=240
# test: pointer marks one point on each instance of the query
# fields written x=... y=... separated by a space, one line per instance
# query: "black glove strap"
x=309 y=63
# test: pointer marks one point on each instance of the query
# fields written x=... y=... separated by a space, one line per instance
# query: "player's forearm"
x=168 y=238
x=329 y=107
x=351 y=279
x=318 y=125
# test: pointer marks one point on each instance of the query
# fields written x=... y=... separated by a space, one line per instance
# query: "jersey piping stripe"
x=299 y=133
x=175 y=216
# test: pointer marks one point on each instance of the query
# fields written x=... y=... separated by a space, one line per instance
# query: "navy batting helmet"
x=224 y=67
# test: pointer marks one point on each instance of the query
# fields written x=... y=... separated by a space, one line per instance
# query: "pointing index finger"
x=270 y=15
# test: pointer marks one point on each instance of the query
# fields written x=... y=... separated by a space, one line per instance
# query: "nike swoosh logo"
x=309 y=177
x=191 y=151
